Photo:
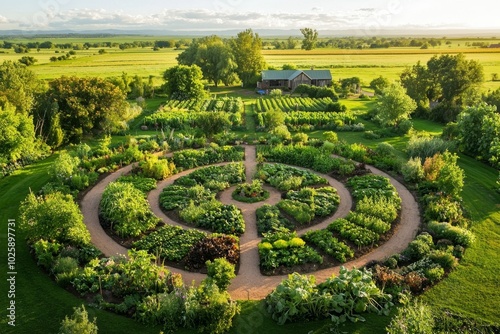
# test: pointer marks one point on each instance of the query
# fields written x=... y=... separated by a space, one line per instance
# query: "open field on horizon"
x=366 y=64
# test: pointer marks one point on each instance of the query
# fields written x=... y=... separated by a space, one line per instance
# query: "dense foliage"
x=285 y=248
x=125 y=210
x=77 y=107
x=342 y=298
x=318 y=159
x=184 y=82
x=54 y=217
x=169 y=242
x=17 y=139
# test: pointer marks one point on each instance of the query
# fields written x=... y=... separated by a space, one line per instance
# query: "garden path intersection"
x=250 y=283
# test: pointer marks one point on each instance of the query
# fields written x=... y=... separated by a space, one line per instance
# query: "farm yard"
x=296 y=193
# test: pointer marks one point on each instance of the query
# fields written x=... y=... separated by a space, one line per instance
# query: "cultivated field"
x=366 y=64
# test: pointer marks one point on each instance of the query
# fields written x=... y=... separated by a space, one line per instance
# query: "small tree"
x=394 y=106
x=379 y=84
x=79 y=323
x=184 y=82
x=310 y=38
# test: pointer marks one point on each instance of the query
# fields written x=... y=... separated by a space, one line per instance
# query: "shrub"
x=53 y=217
x=209 y=310
x=442 y=209
x=78 y=323
x=158 y=169
x=331 y=136
x=221 y=272
x=300 y=138
x=413 y=171
x=65 y=269
x=424 y=147
x=413 y=317
x=445 y=259
x=280 y=244
x=456 y=234
x=46 y=252
x=434 y=274
x=420 y=247
x=126 y=210
x=384 y=149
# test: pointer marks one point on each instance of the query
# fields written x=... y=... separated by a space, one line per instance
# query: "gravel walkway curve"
x=250 y=283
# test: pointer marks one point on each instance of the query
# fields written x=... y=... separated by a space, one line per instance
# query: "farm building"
x=494 y=45
x=290 y=79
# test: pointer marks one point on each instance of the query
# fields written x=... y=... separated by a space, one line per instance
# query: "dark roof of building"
x=291 y=74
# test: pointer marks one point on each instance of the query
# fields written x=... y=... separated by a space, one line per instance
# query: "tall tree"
x=478 y=127
x=418 y=85
x=394 y=105
x=379 y=84
x=19 y=86
x=247 y=48
x=214 y=58
x=310 y=38
x=458 y=78
x=184 y=82
x=84 y=106
x=17 y=136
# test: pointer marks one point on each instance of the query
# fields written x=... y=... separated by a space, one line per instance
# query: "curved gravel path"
x=250 y=283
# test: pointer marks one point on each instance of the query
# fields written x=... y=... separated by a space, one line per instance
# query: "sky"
x=188 y=15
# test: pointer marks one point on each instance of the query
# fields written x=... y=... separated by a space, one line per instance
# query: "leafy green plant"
x=413 y=317
x=78 y=323
x=144 y=184
x=301 y=212
x=275 y=250
x=158 y=169
x=126 y=210
x=221 y=272
x=269 y=218
x=324 y=240
x=250 y=193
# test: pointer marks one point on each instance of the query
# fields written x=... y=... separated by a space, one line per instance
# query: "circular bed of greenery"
x=250 y=192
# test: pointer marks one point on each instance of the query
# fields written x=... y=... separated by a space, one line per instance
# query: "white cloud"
x=198 y=19
x=3 y=19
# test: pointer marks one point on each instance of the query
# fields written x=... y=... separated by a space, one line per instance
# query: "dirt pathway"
x=250 y=284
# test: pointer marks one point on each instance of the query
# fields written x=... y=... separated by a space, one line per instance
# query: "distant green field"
x=366 y=64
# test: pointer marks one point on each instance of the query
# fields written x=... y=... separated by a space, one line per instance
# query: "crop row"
x=227 y=104
x=287 y=178
x=190 y=158
x=293 y=104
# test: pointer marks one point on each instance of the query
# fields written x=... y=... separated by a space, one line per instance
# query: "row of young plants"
x=193 y=198
x=319 y=159
x=289 y=103
x=176 y=115
x=308 y=121
x=191 y=158
x=227 y=104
